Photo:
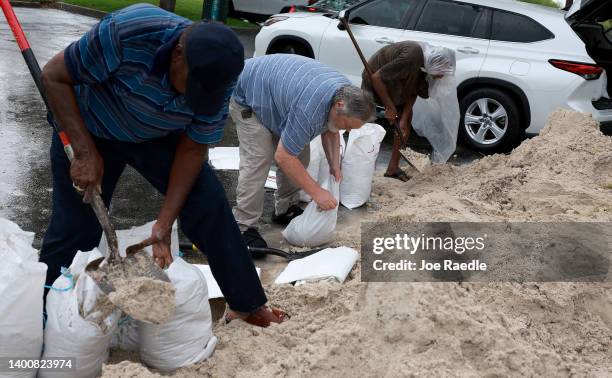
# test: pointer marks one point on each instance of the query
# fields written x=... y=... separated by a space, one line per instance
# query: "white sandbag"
x=187 y=337
x=126 y=335
x=136 y=235
x=318 y=161
x=359 y=164
x=22 y=280
x=75 y=325
x=314 y=227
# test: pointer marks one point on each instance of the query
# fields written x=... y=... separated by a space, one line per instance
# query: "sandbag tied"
x=80 y=321
x=359 y=164
x=315 y=227
x=22 y=280
x=187 y=338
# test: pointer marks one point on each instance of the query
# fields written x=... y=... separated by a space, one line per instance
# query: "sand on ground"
x=448 y=329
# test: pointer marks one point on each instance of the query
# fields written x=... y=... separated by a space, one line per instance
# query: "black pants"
x=206 y=217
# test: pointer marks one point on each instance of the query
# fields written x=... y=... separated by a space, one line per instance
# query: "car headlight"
x=274 y=20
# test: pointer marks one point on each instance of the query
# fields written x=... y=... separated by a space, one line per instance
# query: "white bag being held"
x=187 y=338
x=22 y=279
x=315 y=227
x=359 y=164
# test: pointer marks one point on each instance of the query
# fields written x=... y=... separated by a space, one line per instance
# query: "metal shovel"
x=136 y=263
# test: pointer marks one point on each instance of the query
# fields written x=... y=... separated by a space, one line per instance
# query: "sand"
x=449 y=329
x=144 y=299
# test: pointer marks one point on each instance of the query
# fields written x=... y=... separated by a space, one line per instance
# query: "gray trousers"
x=257 y=148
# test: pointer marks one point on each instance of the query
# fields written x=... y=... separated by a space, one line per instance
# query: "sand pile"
x=145 y=299
x=449 y=329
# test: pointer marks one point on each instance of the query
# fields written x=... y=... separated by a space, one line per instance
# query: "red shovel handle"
x=33 y=66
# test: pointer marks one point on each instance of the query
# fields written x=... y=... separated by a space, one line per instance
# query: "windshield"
x=334 y=5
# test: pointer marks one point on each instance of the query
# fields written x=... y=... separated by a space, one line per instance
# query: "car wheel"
x=490 y=121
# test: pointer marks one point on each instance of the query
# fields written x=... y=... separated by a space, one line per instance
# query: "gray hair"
x=357 y=103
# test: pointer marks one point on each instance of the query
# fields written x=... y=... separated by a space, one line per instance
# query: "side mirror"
x=343 y=18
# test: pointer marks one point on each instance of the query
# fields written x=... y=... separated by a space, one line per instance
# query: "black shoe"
x=253 y=239
x=284 y=219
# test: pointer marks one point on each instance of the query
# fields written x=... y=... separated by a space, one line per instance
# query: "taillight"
x=585 y=70
x=291 y=9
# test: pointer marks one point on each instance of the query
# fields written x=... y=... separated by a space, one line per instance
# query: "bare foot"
x=262 y=317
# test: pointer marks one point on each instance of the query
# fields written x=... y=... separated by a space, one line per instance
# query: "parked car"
x=321 y=6
x=262 y=8
x=516 y=62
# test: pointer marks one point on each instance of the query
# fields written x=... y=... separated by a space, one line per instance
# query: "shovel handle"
x=34 y=68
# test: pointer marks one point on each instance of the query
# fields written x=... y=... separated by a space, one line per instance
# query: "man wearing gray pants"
x=282 y=102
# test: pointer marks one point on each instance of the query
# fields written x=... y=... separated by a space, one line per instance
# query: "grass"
x=191 y=9
x=548 y=3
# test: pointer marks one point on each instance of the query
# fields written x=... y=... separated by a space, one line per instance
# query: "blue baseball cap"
x=215 y=58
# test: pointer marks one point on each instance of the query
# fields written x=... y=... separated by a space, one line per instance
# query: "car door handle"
x=468 y=50
x=384 y=40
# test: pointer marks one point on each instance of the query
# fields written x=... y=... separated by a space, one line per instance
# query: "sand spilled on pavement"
x=451 y=329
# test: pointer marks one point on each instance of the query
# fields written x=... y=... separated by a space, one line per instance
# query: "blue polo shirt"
x=120 y=70
x=291 y=96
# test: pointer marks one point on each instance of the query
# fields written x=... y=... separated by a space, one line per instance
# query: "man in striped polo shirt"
x=281 y=103
x=147 y=88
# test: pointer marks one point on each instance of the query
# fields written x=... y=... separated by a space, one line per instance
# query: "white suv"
x=517 y=62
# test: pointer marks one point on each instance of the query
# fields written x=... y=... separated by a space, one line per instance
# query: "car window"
x=512 y=27
x=334 y=5
x=445 y=17
x=387 y=13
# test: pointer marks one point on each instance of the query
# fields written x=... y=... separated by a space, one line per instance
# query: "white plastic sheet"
x=22 y=279
x=437 y=118
x=228 y=158
x=187 y=338
x=214 y=291
x=359 y=164
x=333 y=263
x=135 y=235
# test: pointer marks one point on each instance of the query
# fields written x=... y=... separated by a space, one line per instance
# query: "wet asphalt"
x=25 y=174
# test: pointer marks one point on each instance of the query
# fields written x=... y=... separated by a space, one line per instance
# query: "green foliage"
x=548 y=3
x=191 y=9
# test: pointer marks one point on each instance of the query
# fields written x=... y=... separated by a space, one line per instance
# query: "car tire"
x=490 y=121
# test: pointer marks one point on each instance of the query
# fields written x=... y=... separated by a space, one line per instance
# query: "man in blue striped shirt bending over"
x=147 y=88
x=281 y=103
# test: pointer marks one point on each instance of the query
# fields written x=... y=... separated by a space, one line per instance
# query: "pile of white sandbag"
x=315 y=227
x=22 y=280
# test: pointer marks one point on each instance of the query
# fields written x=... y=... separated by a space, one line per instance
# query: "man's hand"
x=325 y=200
x=86 y=173
x=161 y=248
x=391 y=114
x=336 y=172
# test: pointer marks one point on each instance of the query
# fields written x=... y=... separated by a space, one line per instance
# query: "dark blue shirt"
x=121 y=74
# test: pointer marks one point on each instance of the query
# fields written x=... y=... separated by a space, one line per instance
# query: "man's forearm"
x=381 y=90
x=187 y=164
x=294 y=169
x=331 y=146
x=59 y=90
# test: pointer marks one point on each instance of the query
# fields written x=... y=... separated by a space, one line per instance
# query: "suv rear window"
x=445 y=17
x=512 y=27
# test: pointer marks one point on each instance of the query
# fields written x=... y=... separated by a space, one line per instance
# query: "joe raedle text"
x=426 y=253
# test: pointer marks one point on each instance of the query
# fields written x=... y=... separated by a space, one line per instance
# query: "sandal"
x=260 y=318
x=398 y=175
